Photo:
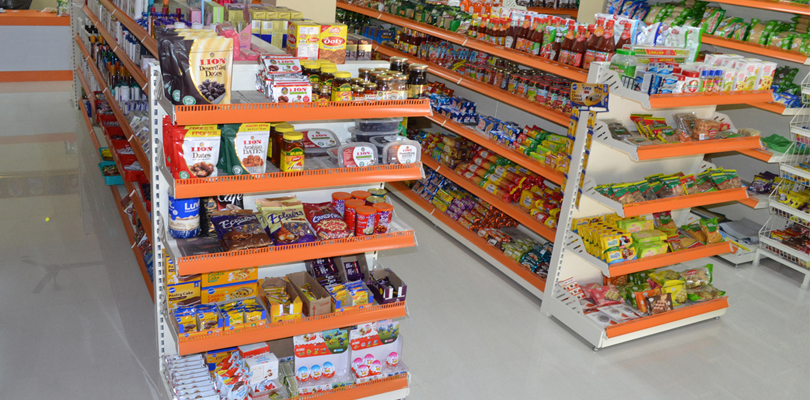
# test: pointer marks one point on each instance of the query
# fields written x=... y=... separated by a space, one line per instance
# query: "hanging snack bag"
x=327 y=221
x=284 y=220
x=198 y=146
x=239 y=230
x=196 y=70
x=244 y=148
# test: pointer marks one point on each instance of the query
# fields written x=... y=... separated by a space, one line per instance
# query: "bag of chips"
x=704 y=293
x=697 y=277
x=711 y=229
x=663 y=221
x=677 y=288
x=327 y=221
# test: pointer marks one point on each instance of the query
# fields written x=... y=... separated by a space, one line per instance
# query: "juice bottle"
x=593 y=43
x=578 y=50
x=567 y=44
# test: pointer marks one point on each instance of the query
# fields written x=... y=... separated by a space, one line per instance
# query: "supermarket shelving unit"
x=522 y=275
x=796 y=177
x=609 y=163
x=309 y=186
x=82 y=56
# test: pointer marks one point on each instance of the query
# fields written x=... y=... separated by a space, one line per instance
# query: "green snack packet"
x=710 y=24
x=704 y=293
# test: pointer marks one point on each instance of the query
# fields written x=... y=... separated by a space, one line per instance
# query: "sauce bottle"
x=567 y=44
x=292 y=152
x=607 y=46
x=554 y=52
x=523 y=34
x=502 y=32
x=578 y=50
x=511 y=34
x=536 y=40
x=625 y=39
x=593 y=43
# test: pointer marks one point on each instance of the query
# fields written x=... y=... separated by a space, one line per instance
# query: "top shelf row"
x=543 y=64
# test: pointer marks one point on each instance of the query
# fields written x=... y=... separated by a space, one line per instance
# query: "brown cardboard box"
x=361 y=263
x=279 y=312
x=323 y=302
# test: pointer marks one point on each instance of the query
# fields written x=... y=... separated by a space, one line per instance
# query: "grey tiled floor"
x=76 y=321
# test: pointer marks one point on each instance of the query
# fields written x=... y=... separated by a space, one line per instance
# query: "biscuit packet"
x=660 y=277
x=284 y=220
x=659 y=303
x=640 y=298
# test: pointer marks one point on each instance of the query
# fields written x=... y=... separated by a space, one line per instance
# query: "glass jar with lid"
x=342 y=86
x=370 y=91
x=312 y=71
x=399 y=64
x=358 y=93
x=326 y=78
x=364 y=73
x=417 y=80
x=400 y=86
x=385 y=87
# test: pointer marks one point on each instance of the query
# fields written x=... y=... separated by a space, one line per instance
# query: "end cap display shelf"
x=657 y=152
x=661 y=101
x=574 y=244
x=667 y=204
x=287 y=181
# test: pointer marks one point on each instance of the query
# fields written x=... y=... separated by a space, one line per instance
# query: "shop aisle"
x=78 y=323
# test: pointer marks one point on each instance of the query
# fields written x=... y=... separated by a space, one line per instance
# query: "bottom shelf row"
x=362 y=362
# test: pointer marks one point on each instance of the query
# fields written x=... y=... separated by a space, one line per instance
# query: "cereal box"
x=302 y=39
x=332 y=43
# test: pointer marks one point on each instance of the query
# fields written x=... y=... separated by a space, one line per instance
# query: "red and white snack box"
x=251 y=350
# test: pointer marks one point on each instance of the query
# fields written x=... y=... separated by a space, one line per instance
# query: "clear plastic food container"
x=360 y=136
x=402 y=152
x=358 y=154
x=317 y=142
x=378 y=125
